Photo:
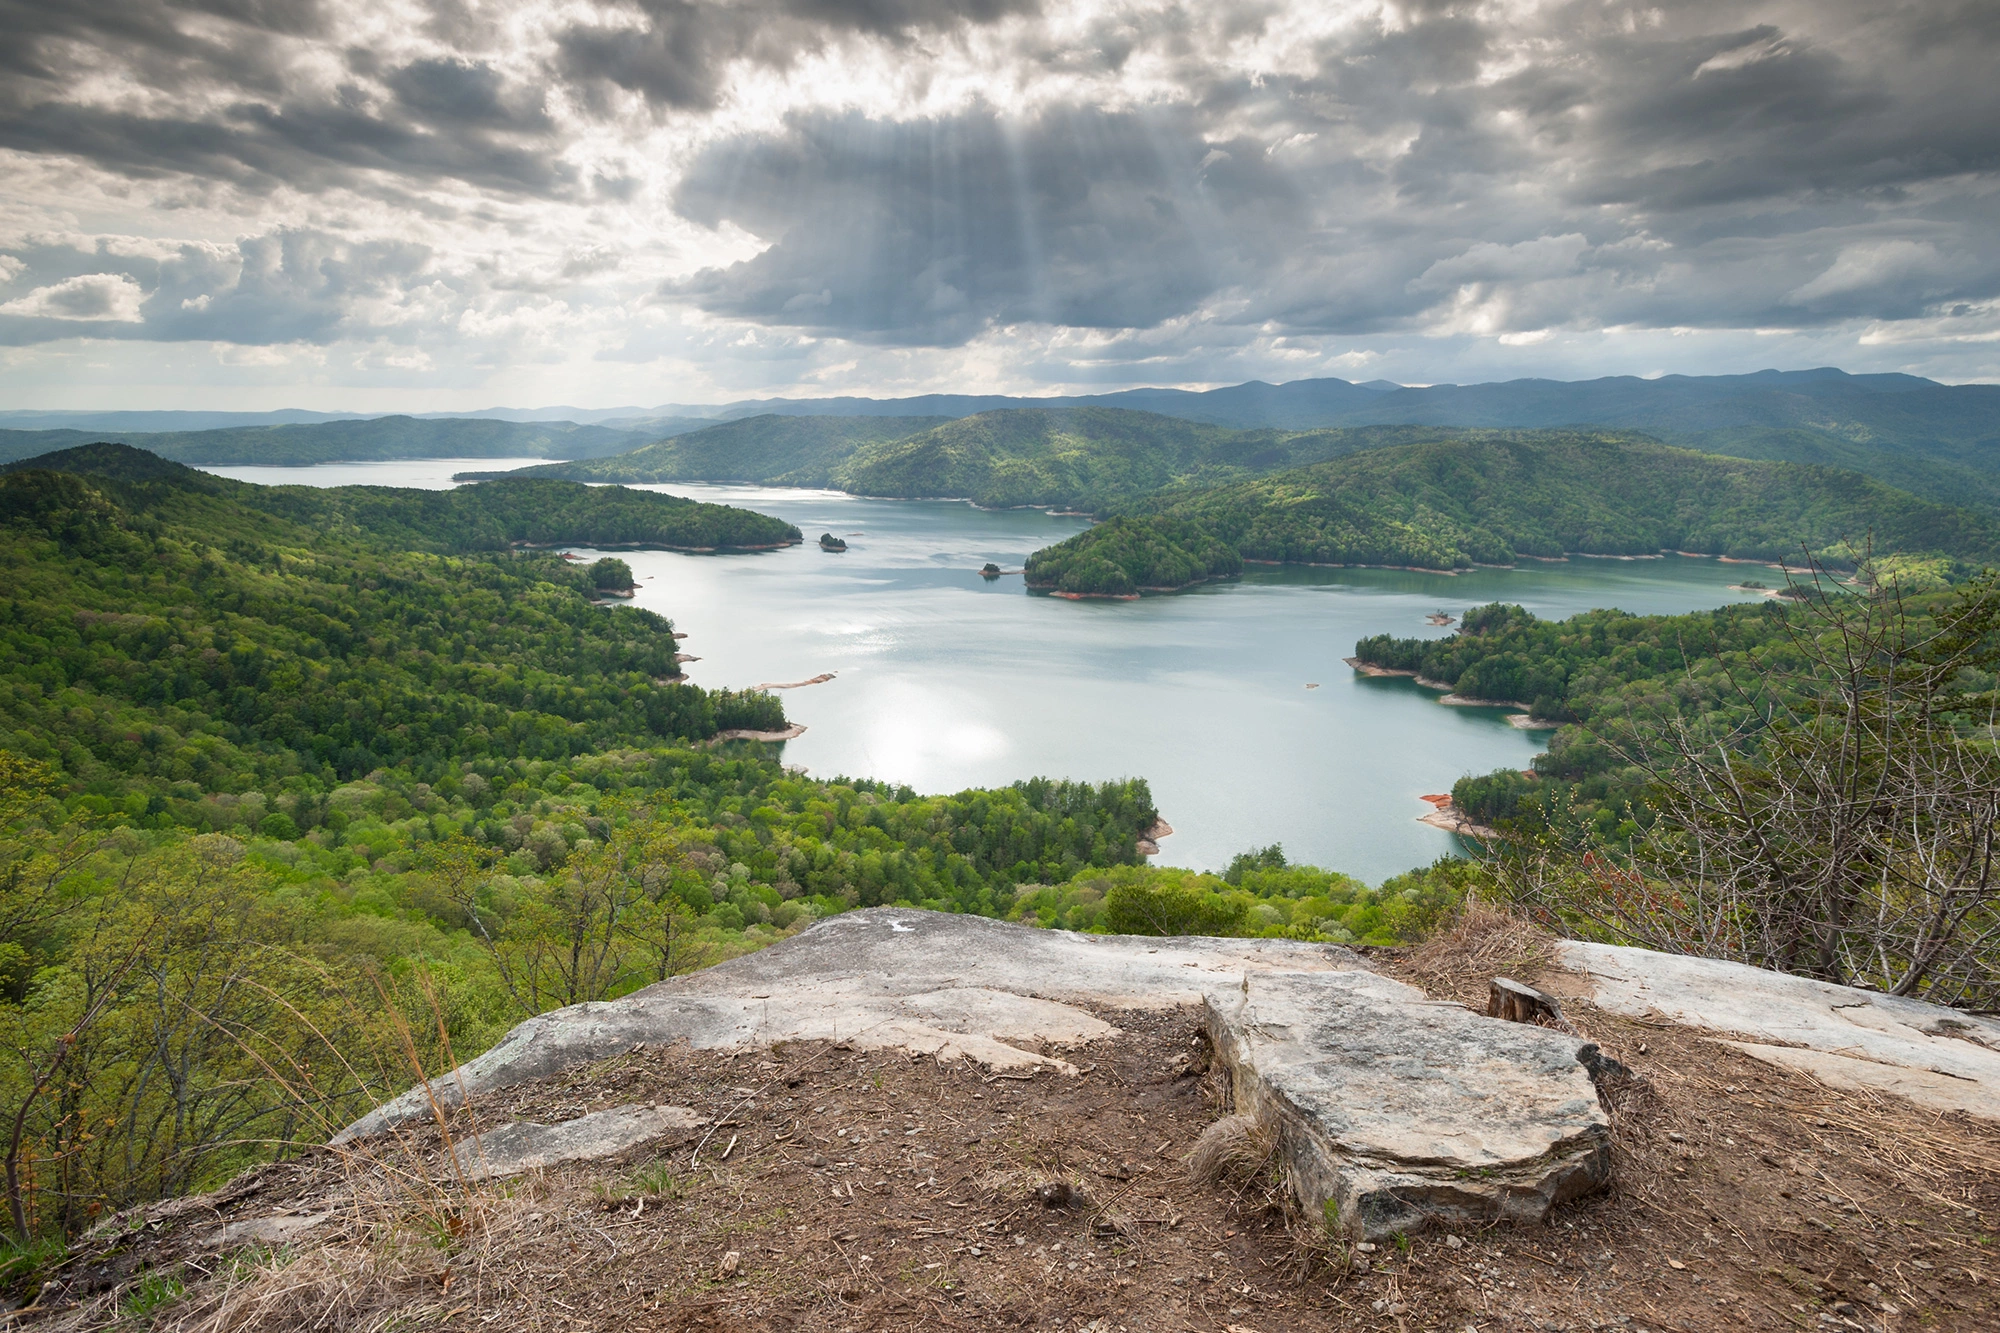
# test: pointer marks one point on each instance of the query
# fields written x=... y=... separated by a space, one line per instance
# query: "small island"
x=611 y=577
x=989 y=570
x=829 y=542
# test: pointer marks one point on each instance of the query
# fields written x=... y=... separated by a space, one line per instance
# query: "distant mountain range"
x=374 y=440
x=1937 y=440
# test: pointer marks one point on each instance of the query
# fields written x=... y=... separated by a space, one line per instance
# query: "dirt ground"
x=854 y=1190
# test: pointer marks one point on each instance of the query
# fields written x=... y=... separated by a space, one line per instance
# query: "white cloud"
x=1873 y=267
x=96 y=297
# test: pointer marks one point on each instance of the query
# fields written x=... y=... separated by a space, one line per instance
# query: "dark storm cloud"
x=680 y=51
x=927 y=231
x=1628 y=167
x=51 y=42
x=224 y=103
x=306 y=145
x=227 y=102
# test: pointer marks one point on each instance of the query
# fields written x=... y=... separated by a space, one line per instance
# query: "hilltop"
x=983 y=1125
x=1497 y=497
x=488 y=517
x=1088 y=459
x=1934 y=440
x=774 y=450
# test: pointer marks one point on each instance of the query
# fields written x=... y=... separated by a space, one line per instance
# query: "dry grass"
x=1234 y=1150
x=1483 y=942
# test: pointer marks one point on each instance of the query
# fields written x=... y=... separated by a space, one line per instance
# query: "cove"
x=944 y=680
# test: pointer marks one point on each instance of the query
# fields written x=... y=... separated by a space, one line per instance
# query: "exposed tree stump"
x=1515 y=1003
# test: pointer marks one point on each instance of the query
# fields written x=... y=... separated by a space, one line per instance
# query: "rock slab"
x=1942 y=1058
x=881 y=978
x=1396 y=1113
x=520 y=1146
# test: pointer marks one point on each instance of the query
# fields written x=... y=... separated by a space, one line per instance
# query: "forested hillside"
x=1081 y=458
x=1087 y=459
x=1496 y=497
x=1806 y=785
x=166 y=626
x=780 y=451
x=354 y=783
x=489 y=517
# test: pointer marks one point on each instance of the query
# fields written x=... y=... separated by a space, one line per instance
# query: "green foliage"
x=495 y=516
x=1624 y=684
x=149 y=1293
x=1614 y=673
x=1126 y=556
x=1078 y=458
x=1483 y=497
x=1165 y=903
x=176 y=631
x=498 y=515
x=24 y=1266
x=1085 y=458
x=610 y=573
x=1256 y=859
x=780 y=450
x=1821 y=804
x=1267 y=898
x=268 y=974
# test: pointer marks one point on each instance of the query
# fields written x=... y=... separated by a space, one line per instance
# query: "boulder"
x=1395 y=1112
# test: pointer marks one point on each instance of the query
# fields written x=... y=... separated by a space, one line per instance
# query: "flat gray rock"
x=882 y=978
x=277 y=1230
x=517 y=1147
x=1395 y=1112
x=1943 y=1058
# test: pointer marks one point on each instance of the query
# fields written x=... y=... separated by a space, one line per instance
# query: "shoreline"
x=1144 y=589
x=1149 y=842
x=1520 y=718
x=820 y=679
x=653 y=546
x=1370 y=669
x=1444 y=815
x=1322 y=564
x=793 y=732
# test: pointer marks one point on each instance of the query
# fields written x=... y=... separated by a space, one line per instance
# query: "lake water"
x=424 y=474
x=944 y=680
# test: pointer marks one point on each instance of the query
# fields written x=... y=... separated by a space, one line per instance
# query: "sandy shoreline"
x=793 y=732
x=1451 y=819
x=1370 y=669
x=1322 y=564
x=1519 y=719
x=820 y=679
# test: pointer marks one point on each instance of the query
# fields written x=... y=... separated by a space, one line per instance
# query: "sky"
x=452 y=204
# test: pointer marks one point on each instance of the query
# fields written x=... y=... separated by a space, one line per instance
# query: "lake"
x=944 y=680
